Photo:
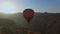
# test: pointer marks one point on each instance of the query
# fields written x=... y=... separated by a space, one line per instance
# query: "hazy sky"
x=39 y=5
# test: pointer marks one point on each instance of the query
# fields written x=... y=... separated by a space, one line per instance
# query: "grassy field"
x=9 y=27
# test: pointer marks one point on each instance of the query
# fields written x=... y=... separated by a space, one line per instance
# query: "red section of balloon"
x=28 y=14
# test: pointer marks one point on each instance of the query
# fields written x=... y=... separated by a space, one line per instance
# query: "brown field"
x=42 y=23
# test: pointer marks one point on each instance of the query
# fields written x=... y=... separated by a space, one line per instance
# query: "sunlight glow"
x=8 y=7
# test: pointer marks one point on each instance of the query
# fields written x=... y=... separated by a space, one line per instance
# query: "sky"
x=52 y=6
x=40 y=5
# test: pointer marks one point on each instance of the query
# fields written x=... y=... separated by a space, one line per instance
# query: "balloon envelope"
x=28 y=14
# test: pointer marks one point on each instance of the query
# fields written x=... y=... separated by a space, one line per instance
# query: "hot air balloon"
x=28 y=14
